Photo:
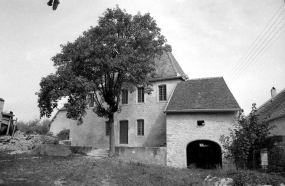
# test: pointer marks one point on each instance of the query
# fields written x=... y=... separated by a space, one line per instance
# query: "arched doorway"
x=203 y=154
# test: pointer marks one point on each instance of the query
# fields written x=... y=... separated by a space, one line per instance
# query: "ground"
x=26 y=169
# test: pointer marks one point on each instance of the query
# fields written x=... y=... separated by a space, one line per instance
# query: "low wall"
x=149 y=155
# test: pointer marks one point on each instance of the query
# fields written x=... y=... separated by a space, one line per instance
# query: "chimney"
x=273 y=92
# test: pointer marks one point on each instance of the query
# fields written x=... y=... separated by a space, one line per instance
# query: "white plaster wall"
x=182 y=129
x=60 y=122
x=92 y=131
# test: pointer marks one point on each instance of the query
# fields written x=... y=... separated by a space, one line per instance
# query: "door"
x=124 y=126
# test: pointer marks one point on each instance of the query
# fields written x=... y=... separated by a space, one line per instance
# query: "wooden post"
x=14 y=126
x=8 y=127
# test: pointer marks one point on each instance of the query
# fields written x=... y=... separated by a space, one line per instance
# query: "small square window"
x=140 y=127
x=201 y=123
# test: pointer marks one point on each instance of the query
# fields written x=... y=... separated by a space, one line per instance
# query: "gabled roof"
x=202 y=95
x=273 y=108
x=167 y=68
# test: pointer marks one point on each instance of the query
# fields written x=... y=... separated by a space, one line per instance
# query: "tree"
x=118 y=53
x=249 y=134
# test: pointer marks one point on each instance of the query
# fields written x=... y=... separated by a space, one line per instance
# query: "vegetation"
x=81 y=170
x=35 y=126
x=248 y=136
x=117 y=54
x=63 y=135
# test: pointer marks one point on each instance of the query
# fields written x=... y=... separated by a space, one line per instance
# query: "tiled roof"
x=273 y=108
x=167 y=67
x=201 y=95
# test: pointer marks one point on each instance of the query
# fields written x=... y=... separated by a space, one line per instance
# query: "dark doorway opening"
x=204 y=154
x=124 y=127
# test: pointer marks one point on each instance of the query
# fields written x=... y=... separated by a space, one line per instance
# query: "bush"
x=257 y=178
x=34 y=126
x=63 y=135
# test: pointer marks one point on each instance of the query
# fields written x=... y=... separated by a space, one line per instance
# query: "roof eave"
x=169 y=78
x=202 y=110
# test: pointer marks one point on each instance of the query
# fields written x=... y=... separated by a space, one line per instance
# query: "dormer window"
x=140 y=94
x=162 y=92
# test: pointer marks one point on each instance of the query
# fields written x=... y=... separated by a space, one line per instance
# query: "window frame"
x=139 y=93
x=127 y=95
x=161 y=94
x=140 y=129
x=91 y=100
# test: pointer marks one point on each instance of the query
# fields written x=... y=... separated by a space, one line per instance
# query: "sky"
x=209 y=38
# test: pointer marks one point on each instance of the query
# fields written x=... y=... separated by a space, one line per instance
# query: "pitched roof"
x=202 y=95
x=273 y=108
x=167 y=68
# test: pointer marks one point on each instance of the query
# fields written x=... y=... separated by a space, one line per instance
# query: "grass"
x=83 y=170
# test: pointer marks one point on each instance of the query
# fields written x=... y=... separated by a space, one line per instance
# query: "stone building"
x=166 y=118
x=198 y=113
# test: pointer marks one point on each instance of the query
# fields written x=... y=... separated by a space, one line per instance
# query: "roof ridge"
x=270 y=99
x=205 y=78
x=171 y=61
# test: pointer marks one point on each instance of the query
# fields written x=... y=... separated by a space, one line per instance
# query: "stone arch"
x=203 y=154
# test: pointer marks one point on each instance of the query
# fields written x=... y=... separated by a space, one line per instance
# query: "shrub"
x=257 y=178
x=63 y=135
x=34 y=126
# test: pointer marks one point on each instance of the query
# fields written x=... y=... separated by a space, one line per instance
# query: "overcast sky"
x=209 y=38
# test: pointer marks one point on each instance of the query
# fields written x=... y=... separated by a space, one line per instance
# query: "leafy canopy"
x=118 y=53
x=249 y=135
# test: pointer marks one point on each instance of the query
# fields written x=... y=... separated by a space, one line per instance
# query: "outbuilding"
x=198 y=113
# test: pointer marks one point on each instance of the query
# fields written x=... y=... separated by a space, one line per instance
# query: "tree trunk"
x=111 y=136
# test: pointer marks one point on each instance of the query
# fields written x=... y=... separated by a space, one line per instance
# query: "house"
x=198 y=113
x=59 y=121
x=180 y=115
x=273 y=111
x=6 y=120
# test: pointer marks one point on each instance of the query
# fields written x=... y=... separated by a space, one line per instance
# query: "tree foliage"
x=249 y=134
x=118 y=53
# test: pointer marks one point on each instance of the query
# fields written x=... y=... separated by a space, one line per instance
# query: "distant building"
x=6 y=120
x=273 y=111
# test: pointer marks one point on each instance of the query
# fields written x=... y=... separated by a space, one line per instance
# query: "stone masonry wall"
x=92 y=131
x=182 y=129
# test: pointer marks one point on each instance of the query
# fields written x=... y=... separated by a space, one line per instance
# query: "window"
x=124 y=96
x=201 y=123
x=90 y=99
x=140 y=127
x=107 y=127
x=140 y=94
x=162 y=92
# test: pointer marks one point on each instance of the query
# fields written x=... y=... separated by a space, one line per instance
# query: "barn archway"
x=204 y=154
